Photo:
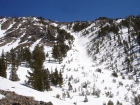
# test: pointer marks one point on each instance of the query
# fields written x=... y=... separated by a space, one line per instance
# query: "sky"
x=70 y=10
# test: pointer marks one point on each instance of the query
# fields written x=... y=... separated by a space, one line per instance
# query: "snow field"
x=78 y=65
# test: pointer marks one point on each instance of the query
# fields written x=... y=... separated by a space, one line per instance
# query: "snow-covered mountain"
x=102 y=65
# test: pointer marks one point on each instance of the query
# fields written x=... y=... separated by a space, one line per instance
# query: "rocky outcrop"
x=11 y=98
x=7 y=23
x=27 y=29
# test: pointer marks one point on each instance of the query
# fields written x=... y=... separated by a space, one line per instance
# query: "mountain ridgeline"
x=113 y=43
x=36 y=33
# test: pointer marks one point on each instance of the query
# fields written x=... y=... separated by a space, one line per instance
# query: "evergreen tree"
x=110 y=103
x=64 y=48
x=60 y=79
x=46 y=79
x=17 y=58
x=47 y=55
x=86 y=99
x=36 y=77
x=138 y=39
x=27 y=56
x=7 y=57
x=60 y=36
x=56 y=53
x=54 y=78
x=3 y=65
x=13 y=74
x=70 y=86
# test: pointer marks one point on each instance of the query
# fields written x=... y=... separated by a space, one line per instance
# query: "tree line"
x=38 y=77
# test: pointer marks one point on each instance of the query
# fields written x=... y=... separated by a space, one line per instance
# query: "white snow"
x=79 y=65
x=2 y=33
x=26 y=91
x=1 y=96
x=33 y=45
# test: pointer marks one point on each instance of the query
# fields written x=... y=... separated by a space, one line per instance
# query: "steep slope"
x=28 y=32
x=26 y=91
x=102 y=64
x=114 y=45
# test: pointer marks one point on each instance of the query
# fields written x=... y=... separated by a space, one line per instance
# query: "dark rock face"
x=44 y=103
x=49 y=103
x=11 y=98
x=7 y=23
x=28 y=30
x=16 y=104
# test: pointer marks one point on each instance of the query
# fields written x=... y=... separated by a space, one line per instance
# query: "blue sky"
x=70 y=10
